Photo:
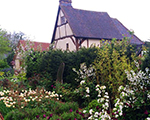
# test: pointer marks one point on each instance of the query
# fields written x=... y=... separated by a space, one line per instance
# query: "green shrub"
x=50 y=62
x=94 y=104
x=3 y=64
x=25 y=113
x=111 y=63
x=53 y=110
x=3 y=109
x=71 y=116
x=41 y=80
x=65 y=107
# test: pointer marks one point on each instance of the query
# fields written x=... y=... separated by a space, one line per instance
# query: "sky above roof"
x=36 y=18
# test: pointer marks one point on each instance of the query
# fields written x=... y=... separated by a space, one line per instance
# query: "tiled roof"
x=124 y=31
x=95 y=25
x=90 y=24
x=37 y=46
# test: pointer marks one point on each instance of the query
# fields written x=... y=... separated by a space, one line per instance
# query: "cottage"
x=75 y=28
x=26 y=46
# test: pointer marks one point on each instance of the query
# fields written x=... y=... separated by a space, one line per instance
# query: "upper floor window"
x=63 y=20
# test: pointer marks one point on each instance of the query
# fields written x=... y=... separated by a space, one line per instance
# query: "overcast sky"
x=36 y=18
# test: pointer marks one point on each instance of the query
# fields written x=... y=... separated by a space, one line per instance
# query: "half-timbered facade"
x=75 y=28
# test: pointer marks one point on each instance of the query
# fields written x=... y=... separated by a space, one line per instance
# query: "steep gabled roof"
x=124 y=31
x=89 y=24
x=94 y=25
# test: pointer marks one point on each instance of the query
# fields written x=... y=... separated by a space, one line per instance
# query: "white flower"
x=120 y=88
x=87 y=90
x=103 y=87
x=84 y=111
x=90 y=111
x=82 y=82
x=99 y=95
x=120 y=113
x=87 y=96
x=116 y=116
x=96 y=114
x=97 y=86
x=147 y=69
x=106 y=96
x=97 y=89
x=60 y=95
x=102 y=99
x=90 y=118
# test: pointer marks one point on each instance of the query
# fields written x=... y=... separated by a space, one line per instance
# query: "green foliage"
x=146 y=57
x=32 y=62
x=137 y=97
x=71 y=116
x=3 y=64
x=24 y=114
x=51 y=109
x=40 y=80
x=50 y=62
x=10 y=59
x=111 y=63
x=3 y=109
x=94 y=104
x=4 y=43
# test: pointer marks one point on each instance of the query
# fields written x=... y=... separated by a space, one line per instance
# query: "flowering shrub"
x=102 y=109
x=86 y=89
x=25 y=98
x=84 y=72
x=137 y=95
x=57 y=111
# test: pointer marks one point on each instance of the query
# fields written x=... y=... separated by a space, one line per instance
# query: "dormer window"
x=63 y=20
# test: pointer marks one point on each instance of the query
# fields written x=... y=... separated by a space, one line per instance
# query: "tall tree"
x=4 y=43
x=15 y=37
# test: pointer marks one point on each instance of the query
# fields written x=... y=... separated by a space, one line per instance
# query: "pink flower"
x=52 y=85
x=37 y=116
x=70 y=110
x=44 y=116
x=77 y=111
x=113 y=113
x=146 y=113
x=97 y=107
x=50 y=115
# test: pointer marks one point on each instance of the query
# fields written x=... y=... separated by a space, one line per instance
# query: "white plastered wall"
x=61 y=44
x=64 y=31
x=94 y=42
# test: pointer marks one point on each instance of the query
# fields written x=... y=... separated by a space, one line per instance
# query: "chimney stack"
x=65 y=2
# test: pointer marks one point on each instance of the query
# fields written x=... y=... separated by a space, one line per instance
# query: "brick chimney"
x=65 y=2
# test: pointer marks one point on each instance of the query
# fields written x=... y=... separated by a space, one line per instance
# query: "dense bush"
x=50 y=62
x=3 y=64
x=111 y=63
x=53 y=110
x=3 y=109
x=146 y=57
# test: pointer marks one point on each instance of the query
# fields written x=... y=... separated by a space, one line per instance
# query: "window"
x=63 y=20
x=67 y=46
